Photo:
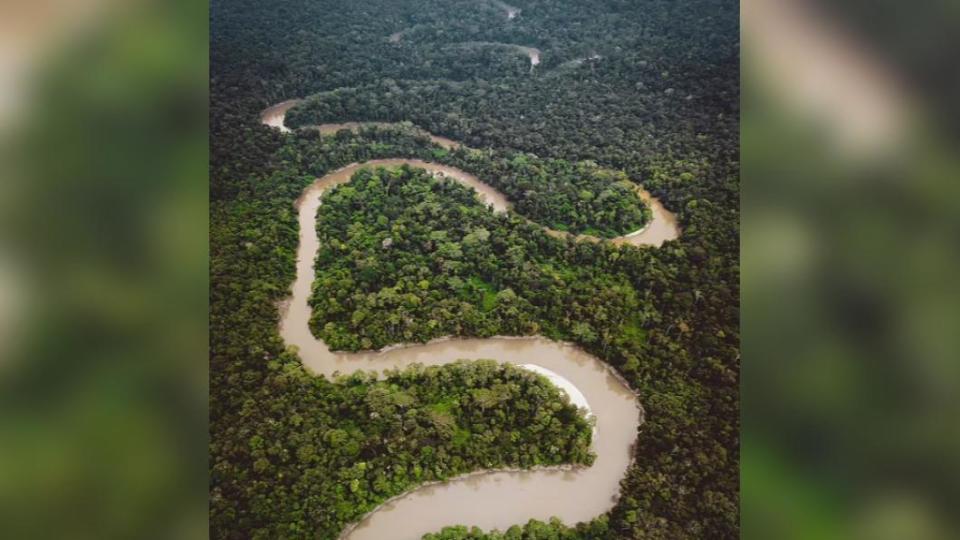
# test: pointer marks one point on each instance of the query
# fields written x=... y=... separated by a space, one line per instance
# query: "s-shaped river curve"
x=662 y=226
x=487 y=499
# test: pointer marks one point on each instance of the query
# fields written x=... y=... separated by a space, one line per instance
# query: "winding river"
x=662 y=226
x=274 y=117
x=488 y=499
x=511 y=11
x=532 y=53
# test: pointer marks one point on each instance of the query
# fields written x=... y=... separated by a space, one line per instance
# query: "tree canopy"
x=660 y=104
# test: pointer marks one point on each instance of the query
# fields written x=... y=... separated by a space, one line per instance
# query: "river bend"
x=662 y=226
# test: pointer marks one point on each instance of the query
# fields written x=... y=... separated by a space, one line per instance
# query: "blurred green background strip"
x=103 y=383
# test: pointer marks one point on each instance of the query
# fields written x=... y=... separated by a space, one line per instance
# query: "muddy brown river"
x=662 y=226
x=487 y=499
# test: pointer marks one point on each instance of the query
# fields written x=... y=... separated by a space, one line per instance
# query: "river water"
x=330 y=129
x=489 y=499
x=532 y=53
x=661 y=227
x=275 y=115
x=511 y=11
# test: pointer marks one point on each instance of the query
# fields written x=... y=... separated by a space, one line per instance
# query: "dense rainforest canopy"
x=649 y=88
x=406 y=257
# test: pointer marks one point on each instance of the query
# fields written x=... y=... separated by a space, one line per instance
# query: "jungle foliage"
x=406 y=257
x=660 y=104
x=323 y=460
